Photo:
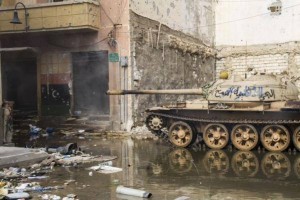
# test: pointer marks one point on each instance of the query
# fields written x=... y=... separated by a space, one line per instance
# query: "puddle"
x=173 y=173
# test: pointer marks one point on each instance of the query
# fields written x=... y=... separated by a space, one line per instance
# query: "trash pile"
x=18 y=183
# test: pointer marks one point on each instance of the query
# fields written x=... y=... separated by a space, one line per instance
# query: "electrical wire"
x=106 y=14
x=86 y=45
x=122 y=12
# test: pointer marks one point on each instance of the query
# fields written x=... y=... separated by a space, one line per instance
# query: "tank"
x=246 y=112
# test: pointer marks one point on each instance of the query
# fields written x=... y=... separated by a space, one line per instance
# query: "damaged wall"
x=162 y=58
x=251 y=22
x=272 y=58
x=192 y=17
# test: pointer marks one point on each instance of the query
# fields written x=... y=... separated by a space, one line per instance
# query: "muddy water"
x=171 y=173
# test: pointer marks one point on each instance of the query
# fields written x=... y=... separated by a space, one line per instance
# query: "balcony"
x=71 y=15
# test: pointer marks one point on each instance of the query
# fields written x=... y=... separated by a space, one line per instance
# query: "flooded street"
x=170 y=173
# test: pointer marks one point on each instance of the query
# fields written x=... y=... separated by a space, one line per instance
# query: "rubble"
x=69 y=155
x=142 y=133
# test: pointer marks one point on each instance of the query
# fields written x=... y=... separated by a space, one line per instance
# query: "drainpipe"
x=122 y=81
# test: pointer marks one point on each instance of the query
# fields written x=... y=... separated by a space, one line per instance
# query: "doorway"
x=19 y=80
x=90 y=83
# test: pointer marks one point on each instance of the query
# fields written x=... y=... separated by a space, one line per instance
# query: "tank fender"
x=157 y=108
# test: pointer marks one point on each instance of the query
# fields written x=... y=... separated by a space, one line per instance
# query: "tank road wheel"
x=155 y=123
x=245 y=164
x=276 y=165
x=244 y=137
x=216 y=136
x=275 y=137
x=296 y=138
x=181 y=134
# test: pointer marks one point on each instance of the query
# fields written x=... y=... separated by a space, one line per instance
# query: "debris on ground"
x=141 y=133
x=133 y=192
x=79 y=158
x=68 y=155
x=18 y=195
x=55 y=197
x=182 y=198
x=105 y=168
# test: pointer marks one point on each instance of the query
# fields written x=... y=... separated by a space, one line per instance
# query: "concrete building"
x=65 y=55
x=263 y=35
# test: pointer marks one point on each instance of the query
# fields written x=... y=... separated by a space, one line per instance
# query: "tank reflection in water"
x=245 y=164
x=242 y=174
x=271 y=165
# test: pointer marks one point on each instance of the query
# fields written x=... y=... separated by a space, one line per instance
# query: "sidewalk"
x=15 y=156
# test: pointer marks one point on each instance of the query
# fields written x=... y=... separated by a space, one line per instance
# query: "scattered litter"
x=90 y=173
x=81 y=131
x=72 y=196
x=182 y=198
x=55 y=197
x=20 y=195
x=37 y=177
x=133 y=192
x=50 y=197
x=105 y=168
x=68 y=182
x=109 y=169
x=70 y=148
x=97 y=167
x=78 y=159
x=22 y=186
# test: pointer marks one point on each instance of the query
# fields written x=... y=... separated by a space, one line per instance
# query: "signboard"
x=113 y=57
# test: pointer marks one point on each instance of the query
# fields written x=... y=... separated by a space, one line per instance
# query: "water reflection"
x=171 y=173
x=180 y=160
x=276 y=165
x=297 y=167
x=245 y=164
x=221 y=163
x=216 y=162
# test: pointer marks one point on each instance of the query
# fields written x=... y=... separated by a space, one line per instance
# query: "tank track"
x=227 y=121
x=163 y=133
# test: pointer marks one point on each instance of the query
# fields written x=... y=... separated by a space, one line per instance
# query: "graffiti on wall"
x=238 y=92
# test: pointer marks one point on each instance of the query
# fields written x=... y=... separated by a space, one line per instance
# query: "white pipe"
x=133 y=192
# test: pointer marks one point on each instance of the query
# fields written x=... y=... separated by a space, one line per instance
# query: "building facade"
x=65 y=55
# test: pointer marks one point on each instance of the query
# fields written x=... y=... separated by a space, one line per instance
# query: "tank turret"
x=242 y=111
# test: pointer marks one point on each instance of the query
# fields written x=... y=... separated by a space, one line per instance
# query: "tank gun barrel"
x=173 y=91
